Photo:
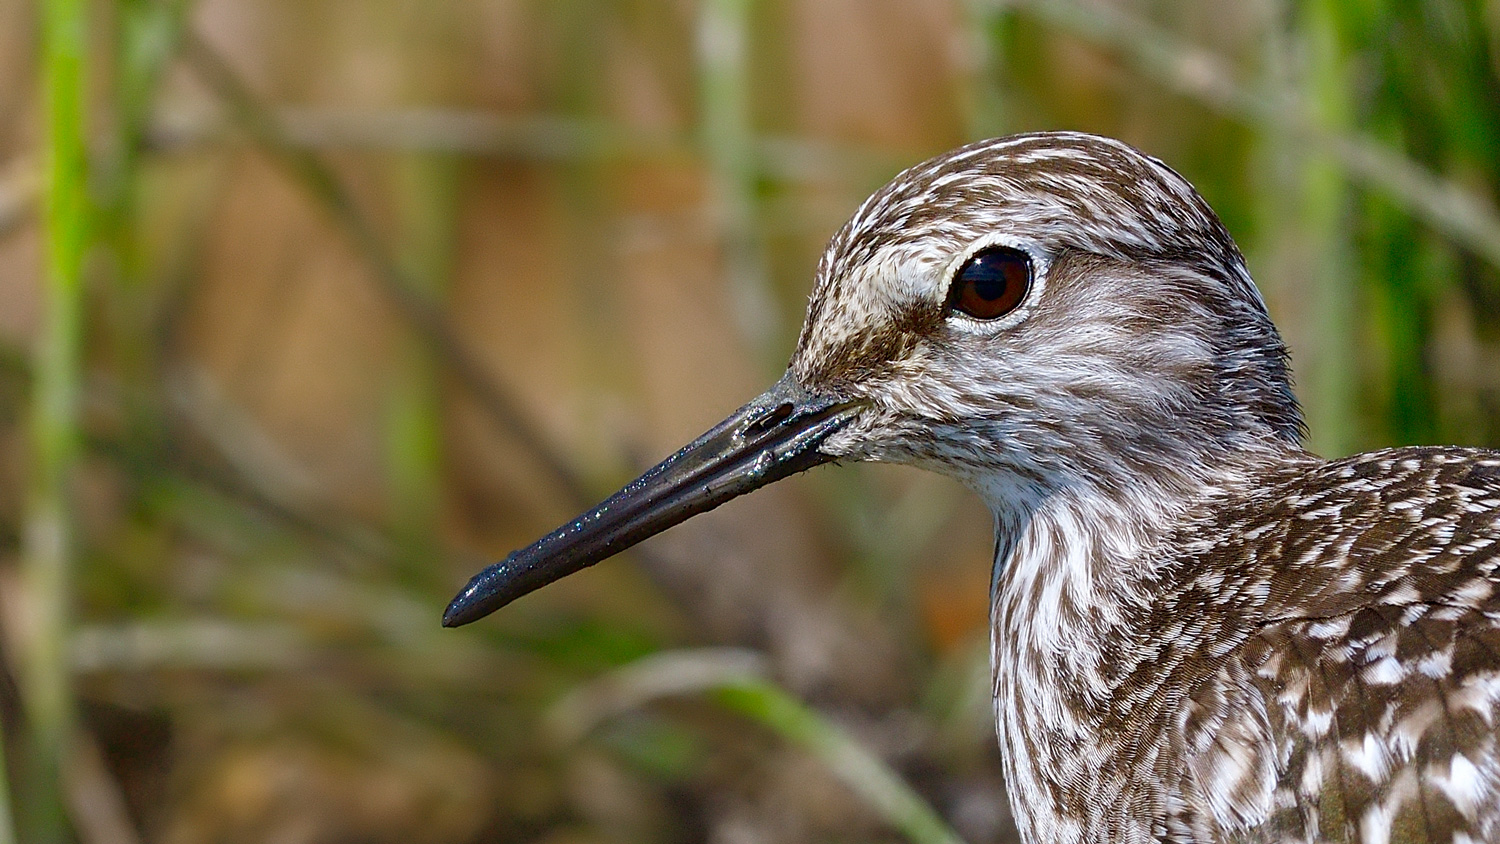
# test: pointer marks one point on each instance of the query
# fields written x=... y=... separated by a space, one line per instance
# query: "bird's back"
x=1329 y=648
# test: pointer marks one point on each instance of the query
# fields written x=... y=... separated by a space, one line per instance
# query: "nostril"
x=771 y=419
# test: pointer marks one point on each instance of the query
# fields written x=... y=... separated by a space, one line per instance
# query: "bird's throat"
x=1072 y=571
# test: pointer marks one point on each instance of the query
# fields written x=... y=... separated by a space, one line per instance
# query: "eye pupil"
x=991 y=284
x=989 y=287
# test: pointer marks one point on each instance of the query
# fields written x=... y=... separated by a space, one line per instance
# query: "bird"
x=1201 y=631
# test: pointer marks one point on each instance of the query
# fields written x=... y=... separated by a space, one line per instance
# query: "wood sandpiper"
x=1201 y=631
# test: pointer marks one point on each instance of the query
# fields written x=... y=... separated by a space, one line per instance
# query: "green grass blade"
x=1331 y=372
x=725 y=107
x=863 y=772
x=735 y=678
x=49 y=536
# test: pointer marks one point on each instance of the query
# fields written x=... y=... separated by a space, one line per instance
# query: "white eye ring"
x=1040 y=263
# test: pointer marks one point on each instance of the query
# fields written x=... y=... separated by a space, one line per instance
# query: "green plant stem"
x=983 y=100
x=49 y=536
x=736 y=679
x=724 y=102
x=1332 y=373
x=866 y=774
x=413 y=408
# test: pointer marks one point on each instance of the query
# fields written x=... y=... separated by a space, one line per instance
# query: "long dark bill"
x=776 y=435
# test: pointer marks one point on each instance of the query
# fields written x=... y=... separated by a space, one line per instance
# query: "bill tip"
x=453 y=615
x=464 y=608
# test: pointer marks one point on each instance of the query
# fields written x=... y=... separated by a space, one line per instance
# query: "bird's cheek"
x=877 y=436
x=869 y=437
x=855 y=442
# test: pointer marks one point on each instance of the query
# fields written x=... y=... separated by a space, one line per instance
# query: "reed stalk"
x=736 y=679
x=413 y=408
x=725 y=112
x=49 y=539
x=865 y=773
x=1330 y=373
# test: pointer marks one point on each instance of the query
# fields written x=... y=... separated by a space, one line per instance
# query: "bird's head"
x=1024 y=314
x=1043 y=307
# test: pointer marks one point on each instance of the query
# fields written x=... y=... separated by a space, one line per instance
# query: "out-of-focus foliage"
x=374 y=291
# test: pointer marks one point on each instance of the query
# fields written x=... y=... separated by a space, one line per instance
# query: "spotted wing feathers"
x=1363 y=702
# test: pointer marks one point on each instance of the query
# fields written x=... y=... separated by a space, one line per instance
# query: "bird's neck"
x=1075 y=566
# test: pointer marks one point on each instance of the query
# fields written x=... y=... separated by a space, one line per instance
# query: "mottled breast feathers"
x=1352 y=690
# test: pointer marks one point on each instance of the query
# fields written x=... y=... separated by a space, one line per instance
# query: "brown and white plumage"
x=1359 y=597
x=1202 y=632
x=1319 y=660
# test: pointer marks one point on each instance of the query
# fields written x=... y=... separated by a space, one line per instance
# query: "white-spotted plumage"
x=1202 y=633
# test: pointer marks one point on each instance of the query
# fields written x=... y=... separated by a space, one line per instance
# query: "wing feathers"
x=1384 y=732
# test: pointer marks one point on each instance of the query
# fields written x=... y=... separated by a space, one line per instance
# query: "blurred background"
x=308 y=310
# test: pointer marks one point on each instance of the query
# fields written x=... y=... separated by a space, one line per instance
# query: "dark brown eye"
x=991 y=284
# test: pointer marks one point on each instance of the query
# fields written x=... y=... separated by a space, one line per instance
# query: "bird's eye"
x=991 y=284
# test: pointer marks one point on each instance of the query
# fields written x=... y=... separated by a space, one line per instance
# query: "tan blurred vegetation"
x=376 y=291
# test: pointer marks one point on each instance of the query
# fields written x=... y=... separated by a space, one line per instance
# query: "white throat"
x=1071 y=567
